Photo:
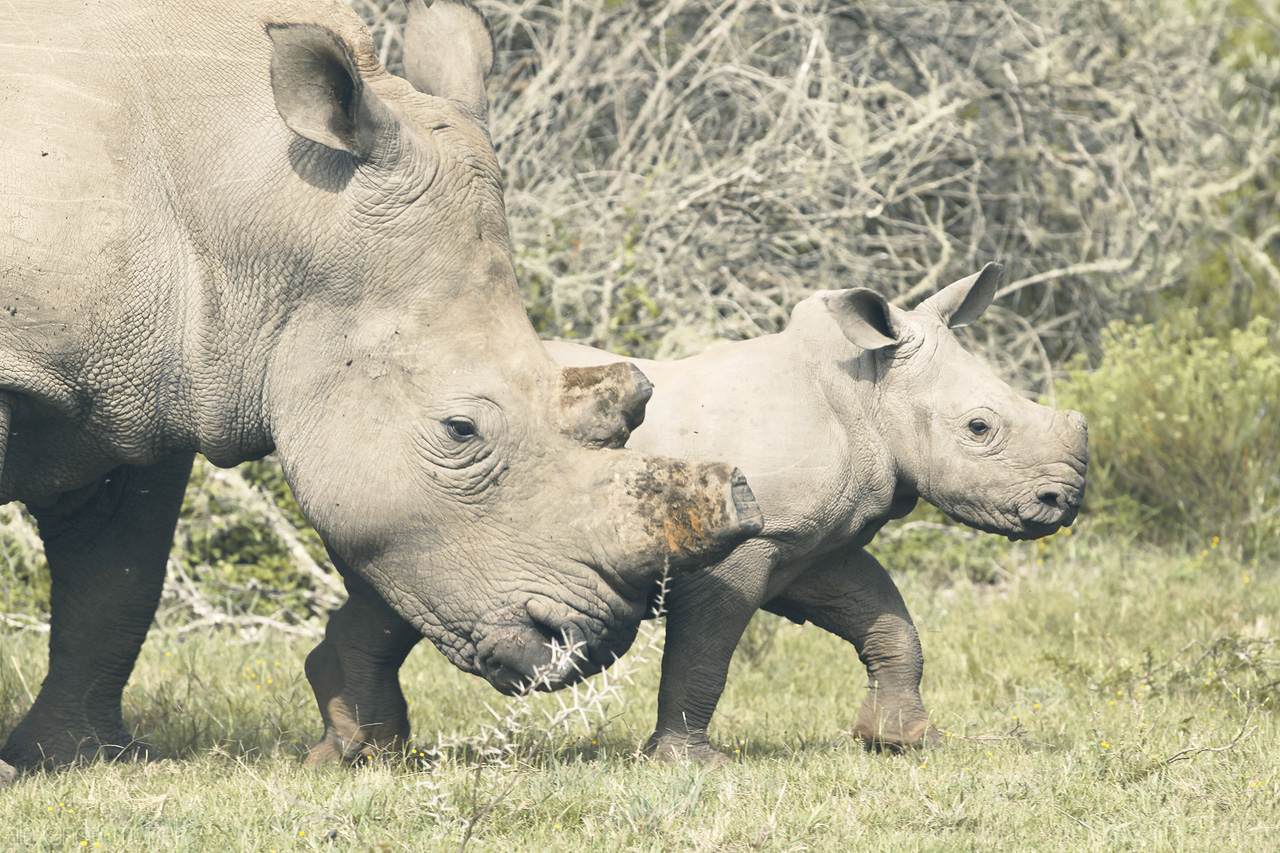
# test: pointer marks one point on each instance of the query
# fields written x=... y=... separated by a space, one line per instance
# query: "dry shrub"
x=681 y=171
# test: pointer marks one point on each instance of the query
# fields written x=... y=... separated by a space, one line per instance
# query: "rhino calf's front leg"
x=707 y=614
x=355 y=674
x=853 y=597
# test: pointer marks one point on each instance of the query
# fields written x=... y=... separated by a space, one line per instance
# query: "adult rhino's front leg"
x=853 y=597
x=706 y=615
x=355 y=674
x=107 y=546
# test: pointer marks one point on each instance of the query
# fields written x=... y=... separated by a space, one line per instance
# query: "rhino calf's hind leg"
x=355 y=674
x=853 y=597
x=107 y=546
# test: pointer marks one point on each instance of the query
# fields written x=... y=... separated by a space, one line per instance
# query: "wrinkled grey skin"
x=226 y=229
x=841 y=422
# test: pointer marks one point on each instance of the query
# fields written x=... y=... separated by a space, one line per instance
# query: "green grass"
x=1083 y=694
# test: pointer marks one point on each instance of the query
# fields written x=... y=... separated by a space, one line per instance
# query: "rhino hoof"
x=920 y=735
x=680 y=750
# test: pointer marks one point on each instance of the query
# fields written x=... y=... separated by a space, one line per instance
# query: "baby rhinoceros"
x=841 y=422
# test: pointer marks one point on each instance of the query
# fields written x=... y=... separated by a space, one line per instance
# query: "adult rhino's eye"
x=460 y=429
x=979 y=427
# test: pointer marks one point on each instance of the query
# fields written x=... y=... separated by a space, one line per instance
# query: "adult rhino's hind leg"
x=355 y=674
x=107 y=546
x=853 y=597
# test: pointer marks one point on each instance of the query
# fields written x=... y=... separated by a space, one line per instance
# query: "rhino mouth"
x=1053 y=507
x=518 y=652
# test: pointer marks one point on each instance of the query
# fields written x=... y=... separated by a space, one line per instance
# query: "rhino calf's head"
x=961 y=438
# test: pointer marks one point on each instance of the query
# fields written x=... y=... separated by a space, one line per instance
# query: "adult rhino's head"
x=443 y=457
x=961 y=438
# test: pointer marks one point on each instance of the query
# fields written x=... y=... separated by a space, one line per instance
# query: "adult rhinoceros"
x=226 y=229
x=842 y=422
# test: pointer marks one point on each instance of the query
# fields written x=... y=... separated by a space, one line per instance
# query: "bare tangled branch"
x=683 y=171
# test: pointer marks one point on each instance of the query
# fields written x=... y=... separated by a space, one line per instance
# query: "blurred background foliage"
x=682 y=172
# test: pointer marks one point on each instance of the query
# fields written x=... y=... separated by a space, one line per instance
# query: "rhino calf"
x=841 y=422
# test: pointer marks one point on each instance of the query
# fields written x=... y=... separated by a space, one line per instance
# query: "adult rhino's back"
x=142 y=147
x=116 y=118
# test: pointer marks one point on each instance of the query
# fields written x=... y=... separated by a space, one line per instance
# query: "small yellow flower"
x=1106 y=745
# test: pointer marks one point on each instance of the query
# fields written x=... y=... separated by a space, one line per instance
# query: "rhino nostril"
x=1052 y=497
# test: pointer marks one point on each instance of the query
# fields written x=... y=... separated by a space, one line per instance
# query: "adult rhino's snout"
x=540 y=647
x=517 y=653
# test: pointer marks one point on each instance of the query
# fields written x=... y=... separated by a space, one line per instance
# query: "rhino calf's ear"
x=961 y=303
x=863 y=316
x=448 y=52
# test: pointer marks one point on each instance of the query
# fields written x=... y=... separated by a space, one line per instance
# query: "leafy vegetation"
x=1185 y=431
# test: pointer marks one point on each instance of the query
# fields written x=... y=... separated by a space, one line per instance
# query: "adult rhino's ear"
x=320 y=93
x=864 y=317
x=448 y=52
x=961 y=303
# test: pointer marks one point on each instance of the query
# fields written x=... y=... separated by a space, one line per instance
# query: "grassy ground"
x=1094 y=696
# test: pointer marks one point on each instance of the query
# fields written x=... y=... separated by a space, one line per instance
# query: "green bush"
x=1185 y=431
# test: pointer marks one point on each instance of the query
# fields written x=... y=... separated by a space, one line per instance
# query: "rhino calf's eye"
x=460 y=429
x=979 y=427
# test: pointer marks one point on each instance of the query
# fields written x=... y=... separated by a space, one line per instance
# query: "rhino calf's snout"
x=1054 y=497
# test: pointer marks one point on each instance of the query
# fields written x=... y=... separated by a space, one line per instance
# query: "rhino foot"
x=58 y=746
x=895 y=731
x=333 y=748
x=693 y=747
